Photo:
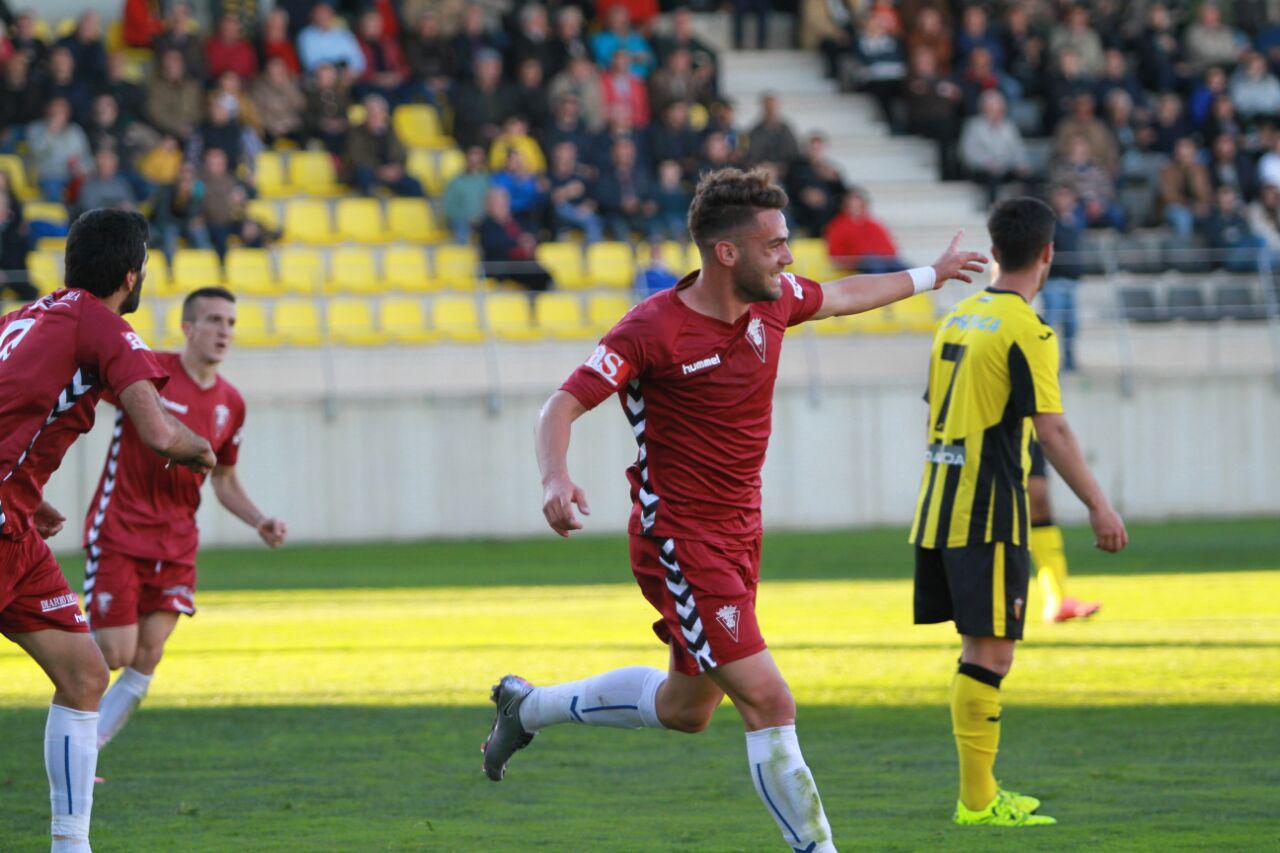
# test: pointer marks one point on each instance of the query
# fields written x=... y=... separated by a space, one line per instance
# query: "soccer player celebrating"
x=57 y=355
x=140 y=533
x=1047 y=553
x=694 y=369
x=993 y=374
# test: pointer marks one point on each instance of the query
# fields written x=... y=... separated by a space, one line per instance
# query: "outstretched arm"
x=162 y=432
x=231 y=494
x=555 y=423
x=855 y=294
x=1062 y=450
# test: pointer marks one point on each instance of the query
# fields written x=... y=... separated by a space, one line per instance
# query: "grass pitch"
x=335 y=698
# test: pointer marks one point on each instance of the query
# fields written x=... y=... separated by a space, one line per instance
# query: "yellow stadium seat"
x=45 y=270
x=676 y=258
x=418 y=126
x=812 y=260
x=698 y=117
x=306 y=220
x=171 y=336
x=457 y=267
x=252 y=329
x=193 y=268
x=46 y=211
x=52 y=244
x=559 y=315
x=352 y=270
x=351 y=322
x=297 y=321
x=915 y=314
x=248 y=271
x=158 y=282
x=301 y=270
x=564 y=262
x=412 y=219
x=143 y=322
x=449 y=163
x=604 y=310
x=265 y=212
x=881 y=321
x=24 y=189
x=611 y=264
x=509 y=317
x=269 y=175
x=360 y=220
x=420 y=163
x=456 y=318
x=403 y=320
x=405 y=268
x=693 y=258
x=312 y=172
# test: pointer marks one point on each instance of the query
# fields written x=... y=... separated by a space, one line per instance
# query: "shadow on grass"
x=882 y=554
x=365 y=778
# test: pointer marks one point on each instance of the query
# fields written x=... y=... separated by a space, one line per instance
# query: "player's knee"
x=117 y=655
x=147 y=657
x=769 y=706
x=690 y=719
x=81 y=686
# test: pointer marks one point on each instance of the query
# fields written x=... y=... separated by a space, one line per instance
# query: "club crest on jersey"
x=755 y=336
x=727 y=616
x=1017 y=608
x=221 y=414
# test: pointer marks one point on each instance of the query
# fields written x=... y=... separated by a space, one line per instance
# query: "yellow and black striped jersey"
x=994 y=364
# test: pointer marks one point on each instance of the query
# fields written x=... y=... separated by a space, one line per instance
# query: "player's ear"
x=1047 y=254
x=726 y=253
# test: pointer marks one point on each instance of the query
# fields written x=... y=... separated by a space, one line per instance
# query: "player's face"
x=762 y=256
x=209 y=335
x=134 y=299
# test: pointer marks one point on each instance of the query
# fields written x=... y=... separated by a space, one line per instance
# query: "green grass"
x=334 y=699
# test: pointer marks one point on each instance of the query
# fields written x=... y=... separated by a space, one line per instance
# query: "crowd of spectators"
x=1158 y=114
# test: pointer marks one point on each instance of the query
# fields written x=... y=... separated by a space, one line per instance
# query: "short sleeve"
x=115 y=352
x=1033 y=373
x=229 y=451
x=804 y=298
x=617 y=360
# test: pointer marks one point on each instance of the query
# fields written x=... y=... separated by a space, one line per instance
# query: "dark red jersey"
x=698 y=393
x=56 y=356
x=143 y=509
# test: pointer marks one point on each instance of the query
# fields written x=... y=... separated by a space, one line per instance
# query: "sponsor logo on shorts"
x=945 y=454
x=80 y=620
x=51 y=604
x=701 y=364
x=727 y=616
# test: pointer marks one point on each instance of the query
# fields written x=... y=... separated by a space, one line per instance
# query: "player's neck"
x=1024 y=284
x=203 y=373
x=714 y=298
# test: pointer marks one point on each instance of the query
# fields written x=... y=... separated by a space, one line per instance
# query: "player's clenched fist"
x=557 y=505
x=1108 y=529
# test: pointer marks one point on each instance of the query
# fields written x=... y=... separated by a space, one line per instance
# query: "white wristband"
x=922 y=278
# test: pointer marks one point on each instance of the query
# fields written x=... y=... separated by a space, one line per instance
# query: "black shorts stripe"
x=947 y=507
x=924 y=506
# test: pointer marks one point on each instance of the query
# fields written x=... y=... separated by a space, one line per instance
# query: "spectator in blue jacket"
x=326 y=42
x=618 y=35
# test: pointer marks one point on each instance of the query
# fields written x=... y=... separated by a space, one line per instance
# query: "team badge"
x=221 y=414
x=103 y=601
x=1017 y=608
x=727 y=616
x=755 y=336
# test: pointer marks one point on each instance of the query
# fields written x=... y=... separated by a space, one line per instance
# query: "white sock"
x=622 y=699
x=70 y=759
x=119 y=701
x=786 y=786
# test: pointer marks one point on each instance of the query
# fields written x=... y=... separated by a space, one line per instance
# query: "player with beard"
x=694 y=369
x=57 y=355
x=140 y=534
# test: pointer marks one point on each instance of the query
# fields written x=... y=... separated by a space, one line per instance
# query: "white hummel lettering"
x=701 y=364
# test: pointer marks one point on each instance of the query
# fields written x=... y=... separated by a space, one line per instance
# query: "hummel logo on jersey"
x=727 y=616
x=701 y=364
x=755 y=336
x=68 y=600
x=174 y=407
x=607 y=363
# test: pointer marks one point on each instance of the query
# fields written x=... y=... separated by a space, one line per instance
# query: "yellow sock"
x=975 y=721
x=1050 y=560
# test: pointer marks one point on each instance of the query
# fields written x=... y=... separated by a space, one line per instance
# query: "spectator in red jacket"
x=621 y=87
x=276 y=42
x=229 y=50
x=141 y=22
x=386 y=72
x=857 y=240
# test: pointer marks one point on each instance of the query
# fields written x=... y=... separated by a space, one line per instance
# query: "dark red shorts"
x=34 y=595
x=118 y=588
x=706 y=593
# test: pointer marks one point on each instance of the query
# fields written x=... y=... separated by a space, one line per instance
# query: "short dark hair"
x=104 y=245
x=1020 y=229
x=212 y=292
x=728 y=199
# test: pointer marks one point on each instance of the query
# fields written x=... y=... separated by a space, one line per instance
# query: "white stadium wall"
x=402 y=468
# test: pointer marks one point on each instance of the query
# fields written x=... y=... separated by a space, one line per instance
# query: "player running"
x=140 y=534
x=57 y=355
x=1047 y=553
x=694 y=369
x=992 y=376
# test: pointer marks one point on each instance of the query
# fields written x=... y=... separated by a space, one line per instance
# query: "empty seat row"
x=357 y=219
x=356 y=321
x=914 y=314
x=1228 y=300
